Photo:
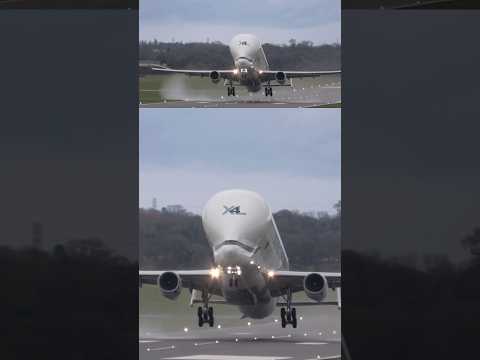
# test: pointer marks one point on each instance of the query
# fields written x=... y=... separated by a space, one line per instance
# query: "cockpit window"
x=242 y=43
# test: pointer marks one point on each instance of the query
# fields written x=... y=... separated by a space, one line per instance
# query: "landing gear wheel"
x=200 y=316
x=282 y=315
x=210 y=316
x=294 y=318
x=231 y=91
x=268 y=91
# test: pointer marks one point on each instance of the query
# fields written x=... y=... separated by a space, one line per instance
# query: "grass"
x=159 y=88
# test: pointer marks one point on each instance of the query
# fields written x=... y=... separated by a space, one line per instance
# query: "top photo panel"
x=410 y=4
x=215 y=53
x=68 y=4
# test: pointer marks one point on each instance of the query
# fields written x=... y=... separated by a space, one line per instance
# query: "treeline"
x=176 y=240
x=398 y=312
x=78 y=302
x=216 y=55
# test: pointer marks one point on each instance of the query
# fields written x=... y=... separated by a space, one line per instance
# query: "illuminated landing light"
x=215 y=273
x=270 y=274
x=273 y=337
x=219 y=326
x=173 y=346
x=249 y=323
x=148 y=349
x=255 y=338
x=276 y=320
x=305 y=334
x=195 y=344
x=289 y=335
x=216 y=341
x=320 y=333
x=252 y=262
x=185 y=329
x=236 y=340
x=235 y=71
x=334 y=332
x=301 y=317
x=258 y=267
x=260 y=72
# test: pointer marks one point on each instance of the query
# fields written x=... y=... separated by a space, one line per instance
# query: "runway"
x=174 y=334
x=235 y=104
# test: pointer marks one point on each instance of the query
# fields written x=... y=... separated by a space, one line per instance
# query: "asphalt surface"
x=231 y=104
x=316 y=337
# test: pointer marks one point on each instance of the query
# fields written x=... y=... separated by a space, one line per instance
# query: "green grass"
x=158 y=88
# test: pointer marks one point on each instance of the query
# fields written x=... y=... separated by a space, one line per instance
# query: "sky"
x=273 y=21
x=291 y=157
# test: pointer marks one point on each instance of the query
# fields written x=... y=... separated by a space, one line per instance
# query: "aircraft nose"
x=231 y=255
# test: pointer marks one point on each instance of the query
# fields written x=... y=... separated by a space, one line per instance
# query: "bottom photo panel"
x=239 y=234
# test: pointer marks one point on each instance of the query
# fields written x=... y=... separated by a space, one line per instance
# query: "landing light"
x=252 y=262
x=215 y=273
x=270 y=274
x=235 y=71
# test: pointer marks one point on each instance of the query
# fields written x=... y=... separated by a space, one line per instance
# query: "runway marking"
x=171 y=347
x=206 y=343
x=228 y=357
x=311 y=343
x=148 y=341
x=327 y=357
x=242 y=333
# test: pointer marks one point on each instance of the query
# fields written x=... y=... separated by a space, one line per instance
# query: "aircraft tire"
x=294 y=318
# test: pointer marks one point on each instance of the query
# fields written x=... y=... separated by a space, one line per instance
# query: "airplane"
x=251 y=268
x=251 y=68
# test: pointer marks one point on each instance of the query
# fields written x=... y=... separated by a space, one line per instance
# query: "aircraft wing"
x=191 y=279
x=225 y=74
x=270 y=75
x=283 y=280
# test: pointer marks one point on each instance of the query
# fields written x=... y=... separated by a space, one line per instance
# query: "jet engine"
x=280 y=77
x=170 y=284
x=315 y=286
x=215 y=77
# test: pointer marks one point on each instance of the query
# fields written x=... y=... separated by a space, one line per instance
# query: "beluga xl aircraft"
x=251 y=69
x=250 y=267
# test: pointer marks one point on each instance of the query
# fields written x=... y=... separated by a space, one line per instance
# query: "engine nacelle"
x=170 y=284
x=315 y=286
x=281 y=77
x=215 y=77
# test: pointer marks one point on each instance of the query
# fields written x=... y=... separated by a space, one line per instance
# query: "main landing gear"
x=289 y=316
x=268 y=90
x=231 y=91
x=205 y=312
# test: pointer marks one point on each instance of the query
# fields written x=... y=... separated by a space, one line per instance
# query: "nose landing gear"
x=231 y=91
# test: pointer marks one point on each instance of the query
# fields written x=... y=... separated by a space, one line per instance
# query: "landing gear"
x=205 y=313
x=268 y=91
x=289 y=316
x=231 y=91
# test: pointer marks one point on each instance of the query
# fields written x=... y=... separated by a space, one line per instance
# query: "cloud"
x=274 y=21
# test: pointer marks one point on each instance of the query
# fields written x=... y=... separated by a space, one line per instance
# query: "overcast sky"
x=273 y=21
x=290 y=156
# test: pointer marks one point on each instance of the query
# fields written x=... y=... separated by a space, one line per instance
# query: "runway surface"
x=232 y=104
x=174 y=333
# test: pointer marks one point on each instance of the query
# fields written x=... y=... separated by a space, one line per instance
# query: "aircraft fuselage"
x=246 y=244
x=249 y=60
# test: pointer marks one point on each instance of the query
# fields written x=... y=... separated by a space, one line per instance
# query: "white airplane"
x=251 y=68
x=251 y=267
